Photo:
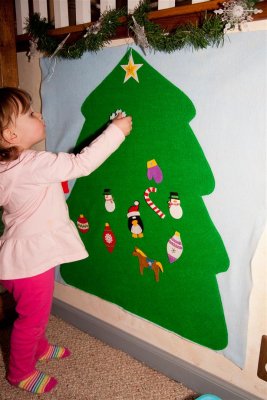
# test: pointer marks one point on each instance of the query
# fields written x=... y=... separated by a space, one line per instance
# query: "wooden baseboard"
x=173 y=367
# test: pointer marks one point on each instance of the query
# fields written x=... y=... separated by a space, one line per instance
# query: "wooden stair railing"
x=168 y=19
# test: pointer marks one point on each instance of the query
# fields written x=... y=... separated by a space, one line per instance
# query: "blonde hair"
x=13 y=101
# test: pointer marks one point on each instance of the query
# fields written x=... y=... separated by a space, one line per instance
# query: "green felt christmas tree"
x=161 y=256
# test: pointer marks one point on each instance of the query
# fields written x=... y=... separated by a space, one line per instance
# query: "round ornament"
x=83 y=224
x=174 y=247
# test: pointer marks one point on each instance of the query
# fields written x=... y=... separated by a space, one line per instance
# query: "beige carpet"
x=95 y=371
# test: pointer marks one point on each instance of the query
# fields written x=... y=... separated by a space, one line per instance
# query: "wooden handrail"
x=171 y=17
x=185 y=10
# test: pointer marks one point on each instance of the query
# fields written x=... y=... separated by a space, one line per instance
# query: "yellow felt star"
x=131 y=69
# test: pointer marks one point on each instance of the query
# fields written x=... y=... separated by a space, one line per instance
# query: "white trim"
x=133 y=214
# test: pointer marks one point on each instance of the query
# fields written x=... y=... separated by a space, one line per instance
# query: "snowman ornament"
x=109 y=201
x=175 y=205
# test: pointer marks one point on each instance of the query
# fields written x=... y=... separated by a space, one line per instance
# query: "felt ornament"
x=135 y=223
x=116 y=113
x=109 y=238
x=146 y=262
x=154 y=171
x=109 y=201
x=174 y=247
x=175 y=205
x=131 y=69
x=150 y=202
x=65 y=187
x=82 y=224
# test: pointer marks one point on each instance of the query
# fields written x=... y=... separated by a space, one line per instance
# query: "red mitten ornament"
x=109 y=238
x=83 y=224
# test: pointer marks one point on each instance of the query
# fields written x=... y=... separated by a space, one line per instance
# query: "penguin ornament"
x=135 y=223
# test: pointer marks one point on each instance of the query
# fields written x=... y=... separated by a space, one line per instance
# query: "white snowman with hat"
x=175 y=205
x=109 y=201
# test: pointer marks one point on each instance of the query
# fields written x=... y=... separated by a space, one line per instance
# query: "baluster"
x=40 y=6
x=107 y=5
x=22 y=12
x=162 y=4
x=83 y=11
x=132 y=4
x=61 y=13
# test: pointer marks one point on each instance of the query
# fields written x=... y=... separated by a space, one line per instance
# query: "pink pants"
x=33 y=297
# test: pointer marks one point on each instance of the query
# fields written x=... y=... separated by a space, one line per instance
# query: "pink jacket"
x=38 y=231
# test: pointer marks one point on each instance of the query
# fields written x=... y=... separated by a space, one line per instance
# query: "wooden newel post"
x=8 y=77
x=8 y=56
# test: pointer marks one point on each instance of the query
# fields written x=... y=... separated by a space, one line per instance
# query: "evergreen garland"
x=38 y=28
x=210 y=32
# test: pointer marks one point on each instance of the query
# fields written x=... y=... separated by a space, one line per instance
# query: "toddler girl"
x=38 y=231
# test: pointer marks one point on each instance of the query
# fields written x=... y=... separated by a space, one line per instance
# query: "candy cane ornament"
x=150 y=202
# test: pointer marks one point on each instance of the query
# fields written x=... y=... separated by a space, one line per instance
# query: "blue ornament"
x=209 y=397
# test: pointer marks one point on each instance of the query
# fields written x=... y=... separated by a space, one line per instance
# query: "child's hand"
x=124 y=123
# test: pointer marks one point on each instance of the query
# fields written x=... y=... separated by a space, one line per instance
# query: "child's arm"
x=124 y=123
x=49 y=167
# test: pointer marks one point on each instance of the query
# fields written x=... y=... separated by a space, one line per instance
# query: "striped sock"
x=38 y=382
x=55 y=353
